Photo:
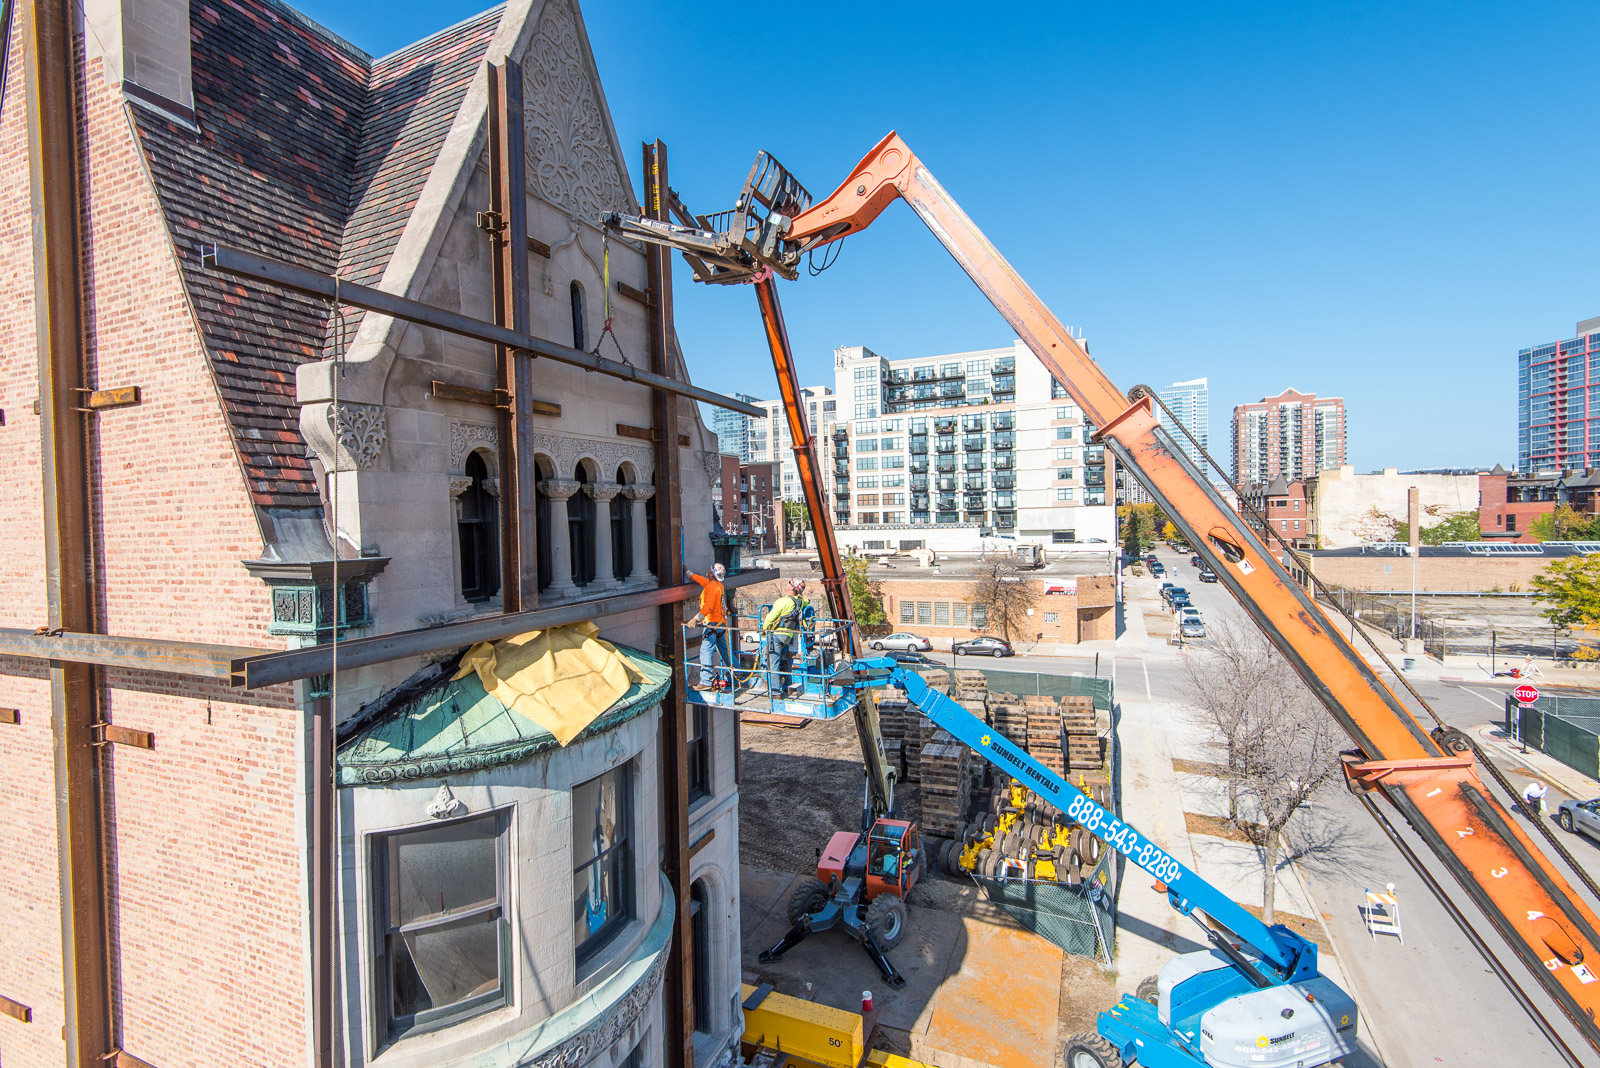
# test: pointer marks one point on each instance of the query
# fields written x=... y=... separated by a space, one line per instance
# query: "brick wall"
x=1441 y=573
x=204 y=860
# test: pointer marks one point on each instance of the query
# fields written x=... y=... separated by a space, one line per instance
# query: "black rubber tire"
x=1029 y=869
x=806 y=898
x=878 y=646
x=985 y=862
x=990 y=820
x=949 y=859
x=886 y=915
x=998 y=653
x=1149 y=990
x=1011 y=843
x=1566 y=821
x=1088 y=1050
x=961 y=831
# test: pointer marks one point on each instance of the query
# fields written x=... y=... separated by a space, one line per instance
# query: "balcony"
x=1005 y=482
x=1004 y=365
x=895 y=377
x=946 y=464
x=1006 y=520
x=1006 y=440
x=919 y=483
x=1095 y=454
x=1005 y=421
x=946 y=485
x=953 y=389
x=972 y=422
x=974 y=463
x=1094 y=476
x=919 y=504
x=919 y=448
x=947 y=504
x=1005 y=500
x=841 y=467
x=973 y=443
x=974 y=482
x=919 y=467
x=945 y=426
x=1003 y=462
x=946 y=445
x=919 y=431
x=841 y=452
x=841 y=433
x=1005 y=383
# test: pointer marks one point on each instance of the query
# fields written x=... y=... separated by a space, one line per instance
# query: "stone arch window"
x=621 y=529
x=582 y=527
x=700 y=921
x=544 y=532
x=580 y=331
x=478 y=532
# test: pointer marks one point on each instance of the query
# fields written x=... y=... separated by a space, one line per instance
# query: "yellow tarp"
x=561 y=678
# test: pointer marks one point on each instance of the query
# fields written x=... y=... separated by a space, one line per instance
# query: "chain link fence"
x=1567 y=728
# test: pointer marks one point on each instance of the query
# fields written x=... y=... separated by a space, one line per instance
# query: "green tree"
x=1570 y=591
x=866 y=596
x=1566 y=523
x=796 y=521
x=1455 y=526
x=1140 y=523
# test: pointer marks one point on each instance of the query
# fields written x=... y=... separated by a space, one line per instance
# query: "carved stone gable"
x=569 y=156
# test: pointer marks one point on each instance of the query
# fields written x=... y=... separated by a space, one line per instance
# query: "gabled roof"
x=308 y=151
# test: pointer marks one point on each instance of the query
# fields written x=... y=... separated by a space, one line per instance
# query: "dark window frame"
x=478 y=534
x=390 y=1025
x=580 y=321
x=699 y=752
x=606 y=933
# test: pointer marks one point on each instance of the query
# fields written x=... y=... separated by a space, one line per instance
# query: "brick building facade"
x=214 y=521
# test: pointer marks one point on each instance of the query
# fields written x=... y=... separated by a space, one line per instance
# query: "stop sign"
x=1526 y=694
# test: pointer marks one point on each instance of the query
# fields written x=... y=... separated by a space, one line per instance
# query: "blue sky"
x=1380 y=202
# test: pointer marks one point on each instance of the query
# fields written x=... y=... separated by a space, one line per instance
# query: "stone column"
x=602 y=492
x=641 y=549
x=560 y=490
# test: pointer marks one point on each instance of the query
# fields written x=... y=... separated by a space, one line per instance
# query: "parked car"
x=1207 y=575
x=909 y=643
x=1192 y=628
x=1191 y=613
x=1168 y=593
x=1195 y=561
x=1158 y=569
x=984 y=646
x=1180 y=599
x=906 y=657
x=1580 y=817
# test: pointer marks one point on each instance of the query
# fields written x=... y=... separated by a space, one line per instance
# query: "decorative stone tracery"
x=361 y=430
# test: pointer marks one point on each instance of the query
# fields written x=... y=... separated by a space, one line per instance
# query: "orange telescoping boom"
x=1437 y=789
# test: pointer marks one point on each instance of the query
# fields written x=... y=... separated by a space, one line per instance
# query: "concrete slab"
x=999 y=1006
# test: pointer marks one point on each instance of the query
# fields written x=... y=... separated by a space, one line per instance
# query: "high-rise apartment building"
x=1191 y=402
x=1293 y=435
x=768 y=439
x=1556 y=429
x=942 y=450
x=733 y=428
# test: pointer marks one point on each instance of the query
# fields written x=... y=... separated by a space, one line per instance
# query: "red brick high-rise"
x=1293 y=435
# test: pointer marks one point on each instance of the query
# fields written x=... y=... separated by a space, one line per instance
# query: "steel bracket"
x=111 y=734
x=491 y=222
x=99 y=400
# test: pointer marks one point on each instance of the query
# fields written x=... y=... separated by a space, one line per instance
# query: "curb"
x=1510 y=755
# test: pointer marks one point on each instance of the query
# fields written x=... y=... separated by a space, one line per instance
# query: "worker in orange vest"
x=713 y=621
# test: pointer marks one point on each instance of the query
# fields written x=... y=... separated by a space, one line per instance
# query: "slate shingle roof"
x=301 y=135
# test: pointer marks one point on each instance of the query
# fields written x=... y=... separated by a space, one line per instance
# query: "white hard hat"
x=718 y=571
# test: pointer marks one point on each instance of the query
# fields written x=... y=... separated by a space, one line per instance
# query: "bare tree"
x=1004 y=595
x=1281 y=745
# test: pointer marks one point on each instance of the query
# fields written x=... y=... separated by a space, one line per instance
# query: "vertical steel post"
x=508 y=214
x=669 y=572
x=324 y=870
x=55 y=192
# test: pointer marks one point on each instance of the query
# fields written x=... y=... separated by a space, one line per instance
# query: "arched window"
x=621 y=532
x=544 y=535
x=581 y=523
x=699 y=904
x=479 y=534
x=580 y=332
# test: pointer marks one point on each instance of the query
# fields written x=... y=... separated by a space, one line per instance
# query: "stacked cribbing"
x=1009 y=717
x=1081 y=739
x=943 y=765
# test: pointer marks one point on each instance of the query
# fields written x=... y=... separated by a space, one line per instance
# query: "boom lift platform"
x=1207 y=1003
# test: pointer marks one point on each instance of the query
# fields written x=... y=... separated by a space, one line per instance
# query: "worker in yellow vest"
x=781 y=628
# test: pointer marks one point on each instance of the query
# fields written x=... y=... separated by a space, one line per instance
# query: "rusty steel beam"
x=508 y=212
x=268 y=669
x=326 y=287
x=55 y=179
x=139 y=654
x=669 y=571
x=324 y=874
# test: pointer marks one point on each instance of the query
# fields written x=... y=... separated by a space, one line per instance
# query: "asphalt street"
x=1431 y=1000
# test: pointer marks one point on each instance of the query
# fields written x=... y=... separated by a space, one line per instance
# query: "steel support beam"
x=326 y=287
x=508 y=215
x=55 y=181
x=137 y=654
x=268 y=669
x=324 y=871
x=669 y=570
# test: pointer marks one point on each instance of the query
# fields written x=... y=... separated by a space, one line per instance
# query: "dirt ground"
x=798 y=787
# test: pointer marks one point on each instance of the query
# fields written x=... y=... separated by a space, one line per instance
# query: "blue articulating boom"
x=1255 y=998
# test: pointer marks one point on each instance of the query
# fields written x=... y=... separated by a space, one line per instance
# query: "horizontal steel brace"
x=266 y=670
x=142 y=654
x=327 y=287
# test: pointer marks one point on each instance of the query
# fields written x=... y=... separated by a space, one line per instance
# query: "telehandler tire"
x=886 y=916
x=1088 y=1050
x=1149 y=990
x=810 y=896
